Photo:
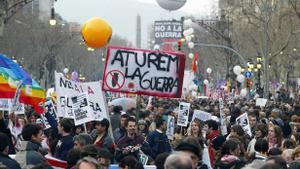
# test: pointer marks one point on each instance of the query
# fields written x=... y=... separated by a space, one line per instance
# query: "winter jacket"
x=211 y=137
x=158 y=142
x=64 y=145
x=29 y=155
x=126 y=142
x=106 y=142
x=8 y=162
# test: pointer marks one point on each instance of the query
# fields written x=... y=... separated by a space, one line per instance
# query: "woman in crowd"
x=274 y=136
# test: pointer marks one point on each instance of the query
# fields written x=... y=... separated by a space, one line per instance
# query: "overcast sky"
x=121 y=14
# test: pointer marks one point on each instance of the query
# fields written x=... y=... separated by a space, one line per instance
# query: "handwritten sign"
x=261 y=102
x=144 y=72
x=243 y=121
x=183 y=114
x=66 y=88
x=201 y=115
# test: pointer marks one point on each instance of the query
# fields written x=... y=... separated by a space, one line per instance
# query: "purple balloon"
x=74 y=76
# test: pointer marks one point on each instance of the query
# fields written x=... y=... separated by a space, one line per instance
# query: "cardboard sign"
x=170 y=127
x=143 y=72
x=80 y=107
x=66 y=88
x=261 y=102
x=183 y=114
x=201 y=115
x=222 y=117
x=243 y=121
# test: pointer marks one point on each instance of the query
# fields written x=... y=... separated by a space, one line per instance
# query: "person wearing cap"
x=103 y=140
x=4 y=158
x=158 y=140
x=143 y=127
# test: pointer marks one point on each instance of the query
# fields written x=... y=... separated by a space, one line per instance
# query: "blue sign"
x=248 y=74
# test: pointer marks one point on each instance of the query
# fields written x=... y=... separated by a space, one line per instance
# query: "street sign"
x=248 y=74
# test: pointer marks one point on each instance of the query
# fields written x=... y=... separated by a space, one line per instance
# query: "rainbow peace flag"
x=11 y=74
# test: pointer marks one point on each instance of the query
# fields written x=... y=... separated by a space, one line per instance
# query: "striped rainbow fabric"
x=10 y=76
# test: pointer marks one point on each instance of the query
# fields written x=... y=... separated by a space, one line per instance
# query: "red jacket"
x=212 y=135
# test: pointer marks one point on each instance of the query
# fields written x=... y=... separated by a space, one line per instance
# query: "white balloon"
x=171 y=5
x=188 y=38
x=240 y=78
x=243 y=92
x=209 y=70
x=191 y=55
x=66 y=70
x=237 y=69
x=190 y=31
x=191 y=45
x=206 y=81
x=188 y=22
x=156 y=47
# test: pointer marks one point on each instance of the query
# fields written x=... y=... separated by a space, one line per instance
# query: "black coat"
x=8 y=162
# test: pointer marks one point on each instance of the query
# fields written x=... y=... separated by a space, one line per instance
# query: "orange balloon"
x=96 y=32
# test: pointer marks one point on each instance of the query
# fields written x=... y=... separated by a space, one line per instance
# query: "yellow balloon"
x=96 y=32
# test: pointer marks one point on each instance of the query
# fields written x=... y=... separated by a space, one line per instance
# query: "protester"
x=87 y=163
x=121 y=131
x=4 y=149
x=29 y=154
x=66 y=142
x=115 y=117
x=82 y=140
x=131 y=143
x=103 y=140
x=4 y=129
x=130 y=162
x=158 y=140
x=178 y=160
x=212 y=131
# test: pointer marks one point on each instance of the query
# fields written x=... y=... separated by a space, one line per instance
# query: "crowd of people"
x=131 y=139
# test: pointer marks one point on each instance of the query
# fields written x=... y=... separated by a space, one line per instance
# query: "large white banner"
x=80 y=107
x=170 y=127
x=66 y=88
x=183 y=114
x=243 y=121
x=146 y=72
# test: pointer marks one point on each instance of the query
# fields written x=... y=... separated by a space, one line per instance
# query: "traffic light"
x=179 y=43
x=248 y=83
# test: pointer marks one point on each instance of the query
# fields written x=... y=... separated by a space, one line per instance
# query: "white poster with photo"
x=80 y=107
x=183 y=114
x=170 y=127
x=222 y=117
x=201 y=115
x=243 y=121
x=4 y=105
x=66 y=88
x=261 y=102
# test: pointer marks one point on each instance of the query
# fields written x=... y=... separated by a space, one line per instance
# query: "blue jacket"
x=64 y=145
x=158 y=142
x=8 y=162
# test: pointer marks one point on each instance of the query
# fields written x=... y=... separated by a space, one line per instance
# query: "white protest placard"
x=243 y=121
x=222 y=117
x=4 y=105
x=16 y=107
x=80 y=107
x=66 y=88
x=201 y=115
x=183 y=114
x=261 y=102
x=145 y=72
x=170 y=127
